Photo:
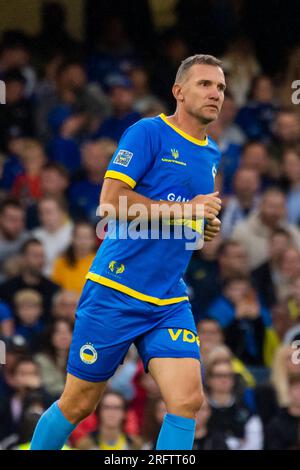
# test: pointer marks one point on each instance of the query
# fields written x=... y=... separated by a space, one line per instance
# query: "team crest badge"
x=88 y=354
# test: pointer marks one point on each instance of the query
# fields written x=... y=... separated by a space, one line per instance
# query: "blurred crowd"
x=59 y=128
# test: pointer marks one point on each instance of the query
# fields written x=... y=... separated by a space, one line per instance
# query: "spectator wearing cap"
x=31 y=277
x=121 y=95
x=255 y=231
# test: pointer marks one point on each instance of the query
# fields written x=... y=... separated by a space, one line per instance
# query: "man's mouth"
x=212 y=106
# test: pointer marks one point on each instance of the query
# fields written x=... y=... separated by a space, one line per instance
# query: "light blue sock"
x=52 y=430
x=177 y=433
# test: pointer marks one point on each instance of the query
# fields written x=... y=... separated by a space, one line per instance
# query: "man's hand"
x=212 y=228
x=211 y=205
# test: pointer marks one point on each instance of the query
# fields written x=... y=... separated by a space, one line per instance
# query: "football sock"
x=177 y=433
x=52 y=430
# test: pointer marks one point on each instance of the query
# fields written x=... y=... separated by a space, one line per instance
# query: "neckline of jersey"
x=182 y=133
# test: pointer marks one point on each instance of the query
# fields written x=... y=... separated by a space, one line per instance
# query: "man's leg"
x=79 y=400
x=179 y=381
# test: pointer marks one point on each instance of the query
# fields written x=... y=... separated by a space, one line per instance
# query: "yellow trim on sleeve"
x=117 y=175
x=182 y=133
x=133 y=293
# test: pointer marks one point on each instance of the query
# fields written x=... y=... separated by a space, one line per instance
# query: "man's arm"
x=112 y=189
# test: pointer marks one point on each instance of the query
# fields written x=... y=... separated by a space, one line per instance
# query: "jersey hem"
x=132 y=292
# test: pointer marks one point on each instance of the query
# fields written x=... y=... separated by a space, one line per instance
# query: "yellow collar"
x=182 y=133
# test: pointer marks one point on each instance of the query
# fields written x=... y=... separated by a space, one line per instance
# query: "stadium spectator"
x=274 y=393
x=25 y=378
x=293 y=299
x=211 y=339
x=291 y=176
x=64 y=305
x=244 y=320
x=242 y=430
x=230 y=139
x=121 y=97
x=55 y=232
x=154 y=415
x=85 y=192
x=6 y=320
x=242 y=202
x=282 y=433
x=205 y=439
x=31 y=277
x=52 y=356
x=12 y=229
x=241 y=66
x=16 y=117
x=255 y=231
x=286 y=128
x=288 y=271
x=110 y=435
x=266 y=277
x=27 y=185
x=210 y=268
x=256 y=156
x=257 y=116
x=28 y=309
x=69 y=270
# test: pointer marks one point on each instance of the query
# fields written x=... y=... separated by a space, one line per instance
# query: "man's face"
x=34 y=258
x=246 y=182
x=234 y=260
x=121 y=99
x=273 y=208
x=112 y=412
x=12 y=222
x=201 y=92
x=287 y=127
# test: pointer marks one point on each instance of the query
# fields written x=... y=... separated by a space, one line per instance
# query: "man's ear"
x=177 y=92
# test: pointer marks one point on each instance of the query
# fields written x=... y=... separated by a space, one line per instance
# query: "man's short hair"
x=28 y=243
x=10 y=202
x=202 y=59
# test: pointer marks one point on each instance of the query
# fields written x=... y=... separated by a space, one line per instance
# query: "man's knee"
x=76 y=411
x=186 y=405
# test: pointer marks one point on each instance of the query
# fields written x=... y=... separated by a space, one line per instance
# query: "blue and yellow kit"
x=135 y=290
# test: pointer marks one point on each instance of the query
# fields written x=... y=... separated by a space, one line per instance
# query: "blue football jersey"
x=161 y=162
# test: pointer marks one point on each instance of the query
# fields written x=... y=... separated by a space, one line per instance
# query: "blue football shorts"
x=108 y=322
